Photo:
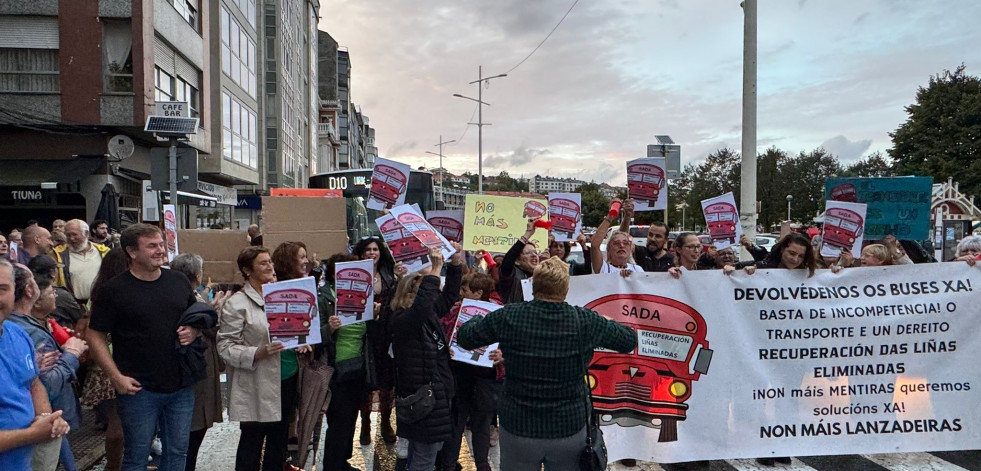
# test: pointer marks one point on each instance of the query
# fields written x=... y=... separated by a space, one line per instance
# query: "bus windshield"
x=355 y=184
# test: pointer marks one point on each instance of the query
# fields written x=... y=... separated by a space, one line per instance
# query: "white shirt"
x=607 y=268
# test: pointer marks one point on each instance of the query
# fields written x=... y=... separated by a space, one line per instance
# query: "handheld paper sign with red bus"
x=387 y=184
x=534 y=209
x=468 y=310
x=420 y=228
x=564 y=214
x=353 y=287
x=644 y=182
x=844 y=192
x=722 y=219
x=842 y=227
x=449 y=227
x=403 y=245
x=289 y=313
x=650 y=386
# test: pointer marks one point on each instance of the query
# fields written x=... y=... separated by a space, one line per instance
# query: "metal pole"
x=788 y=208
x=480 y=130
x=747 y=193
x=173 y=176
x=442 y=174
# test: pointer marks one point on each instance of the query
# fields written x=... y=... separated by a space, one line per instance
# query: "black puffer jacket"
x=422 y=355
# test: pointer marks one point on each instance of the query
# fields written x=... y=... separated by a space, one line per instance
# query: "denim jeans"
x=422 y=455
x=142 y=413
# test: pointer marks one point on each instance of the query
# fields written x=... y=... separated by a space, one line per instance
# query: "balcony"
x=328 y=130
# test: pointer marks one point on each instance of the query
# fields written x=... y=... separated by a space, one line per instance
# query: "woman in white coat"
x=253 y=368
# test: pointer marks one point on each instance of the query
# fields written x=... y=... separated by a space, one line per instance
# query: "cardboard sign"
x=722 y=220
x=843 y=230
x=291 y=310
x=899 y=206
x=448 y=222
x=170 y=231
x=565 y=212
x=405 y=247
x=647 y=184
x=479 y=356
x=389 y=181
x=355 y=291
x=495 y=223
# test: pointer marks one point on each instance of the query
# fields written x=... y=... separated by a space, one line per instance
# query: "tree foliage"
x=942 y=135
x=875 y=165
x=594 y=204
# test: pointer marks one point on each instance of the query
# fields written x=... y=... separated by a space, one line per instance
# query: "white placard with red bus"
x=448 y=222
x=779 y=363
x=469 y=309
x=647 y=184
x=170 y=231
x=565 y=212
x=722 y=220
x=355 y=291
x=411 y=219
x=405 y=247
x=292 y=313
x=389 y=181
x=843 y=228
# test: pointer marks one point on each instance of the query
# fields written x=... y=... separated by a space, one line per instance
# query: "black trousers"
x=274 y=434
x=342 y=418
x=193 y=446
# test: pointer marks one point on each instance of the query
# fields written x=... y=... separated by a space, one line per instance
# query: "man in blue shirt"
x=25 y=414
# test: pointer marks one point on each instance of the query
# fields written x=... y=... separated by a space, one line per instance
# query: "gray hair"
x=191 y=265
x=971 y=242
x=81 y=224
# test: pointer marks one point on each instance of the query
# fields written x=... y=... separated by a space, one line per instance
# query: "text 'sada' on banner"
x=495 y=223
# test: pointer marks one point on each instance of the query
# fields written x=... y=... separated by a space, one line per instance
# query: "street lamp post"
x=683 y=206
x=789 y=199
x=480 y=123
x=442 y=173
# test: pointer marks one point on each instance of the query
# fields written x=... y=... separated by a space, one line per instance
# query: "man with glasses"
x=654 y=256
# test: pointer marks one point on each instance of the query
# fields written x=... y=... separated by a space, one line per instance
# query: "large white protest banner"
x=871 y=360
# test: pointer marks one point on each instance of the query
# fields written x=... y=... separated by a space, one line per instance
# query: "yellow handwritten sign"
x=495 y=223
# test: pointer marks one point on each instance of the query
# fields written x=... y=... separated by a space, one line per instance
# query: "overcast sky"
x=832 y=73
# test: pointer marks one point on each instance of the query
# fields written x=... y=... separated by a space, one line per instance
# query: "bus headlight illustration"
x=591 y=381
x=678 y=389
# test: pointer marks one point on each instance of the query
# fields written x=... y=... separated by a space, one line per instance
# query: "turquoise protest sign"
x=899 y=206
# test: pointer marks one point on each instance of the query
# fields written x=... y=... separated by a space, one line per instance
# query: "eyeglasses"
x=692 y=246
x=620 y=243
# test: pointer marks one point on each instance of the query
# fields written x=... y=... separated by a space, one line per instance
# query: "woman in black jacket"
x=422 y=356
x=518 y=264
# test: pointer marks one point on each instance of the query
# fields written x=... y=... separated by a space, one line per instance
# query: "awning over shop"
x=27 y=172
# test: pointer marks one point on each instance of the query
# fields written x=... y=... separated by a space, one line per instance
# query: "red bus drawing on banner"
x=564 y=214
x=353 y=286
x=842 y=227
x=650 y=386
x=420 y=228
x=721 y=219
x=466 y=313
x=449 y=227
x=387 y=183
x=534 y=209
x=644 y=182
x=844 y=192
x=402 y=243
x=289 y=313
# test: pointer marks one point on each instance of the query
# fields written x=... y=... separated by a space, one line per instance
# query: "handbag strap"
x=590 y=413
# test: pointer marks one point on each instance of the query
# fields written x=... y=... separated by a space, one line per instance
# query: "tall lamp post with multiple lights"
x=480 y=123
x=442 y=173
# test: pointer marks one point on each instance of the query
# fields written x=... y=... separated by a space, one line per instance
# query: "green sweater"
x=547 y=347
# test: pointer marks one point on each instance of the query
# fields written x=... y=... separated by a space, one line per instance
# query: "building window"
x=237 y=53
x=29 y=70
x=188 y=10
x=239 y=135
x=164 y=84
x=117 y=56
x=187 y=93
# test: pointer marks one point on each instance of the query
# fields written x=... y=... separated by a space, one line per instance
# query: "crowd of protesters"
x=96 y=319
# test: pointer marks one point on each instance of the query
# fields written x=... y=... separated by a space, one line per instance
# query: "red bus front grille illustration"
x=387 y=183
x=842 y=227
x=644 y=182
x=403 y=245
x=721 y=219
x=650 y=386
x=353 y=287
x=564 y=214
x=289 y=313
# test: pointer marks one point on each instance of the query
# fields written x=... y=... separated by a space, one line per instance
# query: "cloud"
x=400 y=149
x=845 y=149
x=518 y=158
